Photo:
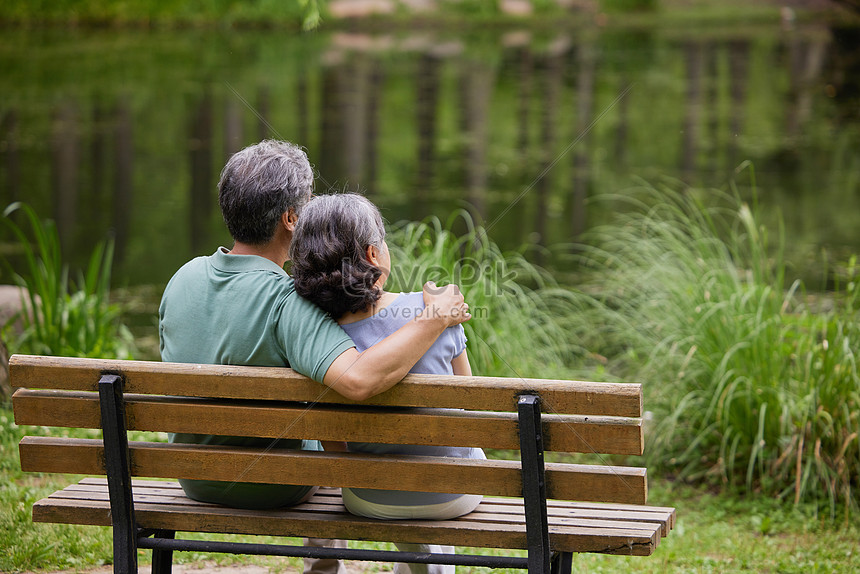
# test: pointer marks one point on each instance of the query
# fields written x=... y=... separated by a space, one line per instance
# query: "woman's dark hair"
x=329 y=253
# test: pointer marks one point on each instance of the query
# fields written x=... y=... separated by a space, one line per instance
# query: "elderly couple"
x=331 y=321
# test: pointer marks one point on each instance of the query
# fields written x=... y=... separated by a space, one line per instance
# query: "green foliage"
x=62 y=316
x=751 y=386
x=629 y=5
x=518 y=310
x=311 y=14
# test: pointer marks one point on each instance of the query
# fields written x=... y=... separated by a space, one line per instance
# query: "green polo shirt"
x=230 y=309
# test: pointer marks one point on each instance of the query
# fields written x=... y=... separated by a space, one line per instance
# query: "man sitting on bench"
x=239 y=307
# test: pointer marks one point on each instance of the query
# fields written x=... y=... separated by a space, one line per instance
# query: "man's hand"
x=445 y=304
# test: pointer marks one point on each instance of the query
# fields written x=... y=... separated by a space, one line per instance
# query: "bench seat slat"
x=475 y=529
x=327 y=497
x=565 y=433
x=481 y=514
x=275 y=383
x=493 y=477
x=478 y=516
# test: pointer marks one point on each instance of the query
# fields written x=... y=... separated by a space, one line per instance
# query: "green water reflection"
x=125 y=132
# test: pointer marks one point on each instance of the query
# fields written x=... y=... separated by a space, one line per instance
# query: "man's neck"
x=273 y=251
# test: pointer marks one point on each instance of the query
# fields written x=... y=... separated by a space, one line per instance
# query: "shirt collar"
x=225 y=261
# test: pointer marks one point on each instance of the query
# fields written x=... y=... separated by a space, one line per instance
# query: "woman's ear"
x=372 y=255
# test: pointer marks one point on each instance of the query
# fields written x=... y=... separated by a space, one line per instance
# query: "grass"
x=725 y=533
x=27 y=545
x=754 y=385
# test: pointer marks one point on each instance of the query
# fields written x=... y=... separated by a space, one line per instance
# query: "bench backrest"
x=583 y=417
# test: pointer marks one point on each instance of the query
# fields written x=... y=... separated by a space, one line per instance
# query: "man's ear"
x=289 y=220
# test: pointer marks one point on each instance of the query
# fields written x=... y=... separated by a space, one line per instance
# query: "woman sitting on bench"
x=340 y=261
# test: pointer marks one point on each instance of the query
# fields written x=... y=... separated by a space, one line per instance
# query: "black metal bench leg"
x=562 y=563
x=162 y=559
x=118 y=474
x=534 y=485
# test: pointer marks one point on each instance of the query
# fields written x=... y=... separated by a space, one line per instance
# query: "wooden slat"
x=270 y=383
x=565 y=433
x=494 y=477
x=665 y=516
x=483 y=514
x=563 y=508
x=617 y=537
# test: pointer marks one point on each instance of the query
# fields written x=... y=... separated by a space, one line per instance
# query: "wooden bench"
x=551 y=509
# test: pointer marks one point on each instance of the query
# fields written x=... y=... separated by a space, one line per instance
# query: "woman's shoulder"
x=414 y=299
x=402 y=309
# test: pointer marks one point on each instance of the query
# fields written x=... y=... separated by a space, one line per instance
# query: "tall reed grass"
x=753 y=383
x=63 y=315
x=518 y=308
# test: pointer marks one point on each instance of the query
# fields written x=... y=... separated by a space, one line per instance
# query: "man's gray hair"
x=259 y=184
x=329 y=253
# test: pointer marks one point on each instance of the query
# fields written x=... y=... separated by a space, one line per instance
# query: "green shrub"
x=751 y=385
x=63 y=317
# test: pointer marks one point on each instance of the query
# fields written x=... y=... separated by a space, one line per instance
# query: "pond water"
x=124 y=132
